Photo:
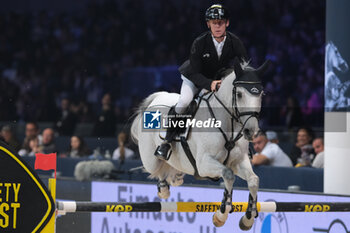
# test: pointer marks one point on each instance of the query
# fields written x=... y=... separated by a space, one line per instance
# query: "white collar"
x=216 y=43
x=219 y=46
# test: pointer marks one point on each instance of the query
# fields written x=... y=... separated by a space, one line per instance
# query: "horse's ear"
x=237 y=67
x=262 y=69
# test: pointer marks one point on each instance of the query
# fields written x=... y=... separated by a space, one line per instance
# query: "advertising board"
x=156 y=222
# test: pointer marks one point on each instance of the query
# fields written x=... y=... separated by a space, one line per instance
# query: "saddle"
x=190 y=113
x=183 y=135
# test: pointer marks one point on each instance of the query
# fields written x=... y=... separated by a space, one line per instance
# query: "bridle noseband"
x=236 y=115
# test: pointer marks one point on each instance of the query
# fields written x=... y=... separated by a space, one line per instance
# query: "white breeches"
x=188 y=90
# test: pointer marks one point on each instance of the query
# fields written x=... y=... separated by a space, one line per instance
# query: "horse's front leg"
x=209 y=167
x=245 y=171
x=163 y=189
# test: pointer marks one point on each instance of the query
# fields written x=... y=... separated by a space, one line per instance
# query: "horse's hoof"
x=216 y=220
x=246 y=224
x=164 y=194
x=177 y=182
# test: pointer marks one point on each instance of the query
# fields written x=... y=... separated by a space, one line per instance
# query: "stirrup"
x=163 y=151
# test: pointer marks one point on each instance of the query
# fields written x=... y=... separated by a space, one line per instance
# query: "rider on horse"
x=211 y=52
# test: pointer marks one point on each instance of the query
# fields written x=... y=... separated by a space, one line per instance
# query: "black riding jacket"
x=203 y=64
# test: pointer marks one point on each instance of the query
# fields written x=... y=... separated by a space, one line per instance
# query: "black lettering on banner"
x=190 y=219
x=201 y=230
x=169 y=217
x=157 y=215
x=105 y=226
x=127 y=230
x=236 y=208
x=121 y=190
x=131 y=200
x=207 y=208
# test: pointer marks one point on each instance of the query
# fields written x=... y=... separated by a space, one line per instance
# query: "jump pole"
x=78 y=206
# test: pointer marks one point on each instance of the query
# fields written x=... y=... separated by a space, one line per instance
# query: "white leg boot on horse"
x=210 y=167
x=245 y=171
x=220 y=217
x=163 y=189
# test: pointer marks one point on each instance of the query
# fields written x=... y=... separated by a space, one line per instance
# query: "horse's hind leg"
x=177 y=178
x=245 y=171
x=169 y=176
x=163 y=177
x=157 y=168
x=209 y=167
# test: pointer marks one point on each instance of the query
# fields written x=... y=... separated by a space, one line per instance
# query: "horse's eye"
x=239 y=95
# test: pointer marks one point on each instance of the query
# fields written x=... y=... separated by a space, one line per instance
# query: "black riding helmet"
x=216 y=11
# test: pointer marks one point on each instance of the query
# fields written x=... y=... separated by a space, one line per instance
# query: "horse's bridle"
x=235 y=115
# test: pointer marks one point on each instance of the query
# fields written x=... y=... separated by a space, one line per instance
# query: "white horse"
x=334 y=88
x=220 y=153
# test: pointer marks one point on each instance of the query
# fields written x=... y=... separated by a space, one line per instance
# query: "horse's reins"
x=230 y=143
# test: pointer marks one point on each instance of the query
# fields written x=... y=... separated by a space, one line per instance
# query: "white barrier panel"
x=202 y=222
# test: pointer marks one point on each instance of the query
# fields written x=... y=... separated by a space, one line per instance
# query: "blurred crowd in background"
x=80 y=56
x=67 y=67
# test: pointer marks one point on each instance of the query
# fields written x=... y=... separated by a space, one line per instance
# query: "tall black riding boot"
x=162 y=151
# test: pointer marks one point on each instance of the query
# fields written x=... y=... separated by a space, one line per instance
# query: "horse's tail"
x=137 y=121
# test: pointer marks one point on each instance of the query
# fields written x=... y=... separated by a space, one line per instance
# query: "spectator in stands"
x=123 y=152
x=272 y=136
x=31 y=131
x=318 y=146
x=32 y=149
x=105 y=125
x=78 y=148
x=67 y=120
x=49 y=145
x=302 y=152
x=292 y=113
x=10 y=138
x=83 y=111
x=268 y=153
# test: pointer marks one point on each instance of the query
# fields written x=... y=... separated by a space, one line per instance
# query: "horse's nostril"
x=246 y=131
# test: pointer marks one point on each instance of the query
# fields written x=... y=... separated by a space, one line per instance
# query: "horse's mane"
x=223 y=73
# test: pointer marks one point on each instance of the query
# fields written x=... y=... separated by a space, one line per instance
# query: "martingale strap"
x=187 y=149
x=190 y=157
x=229 y=143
